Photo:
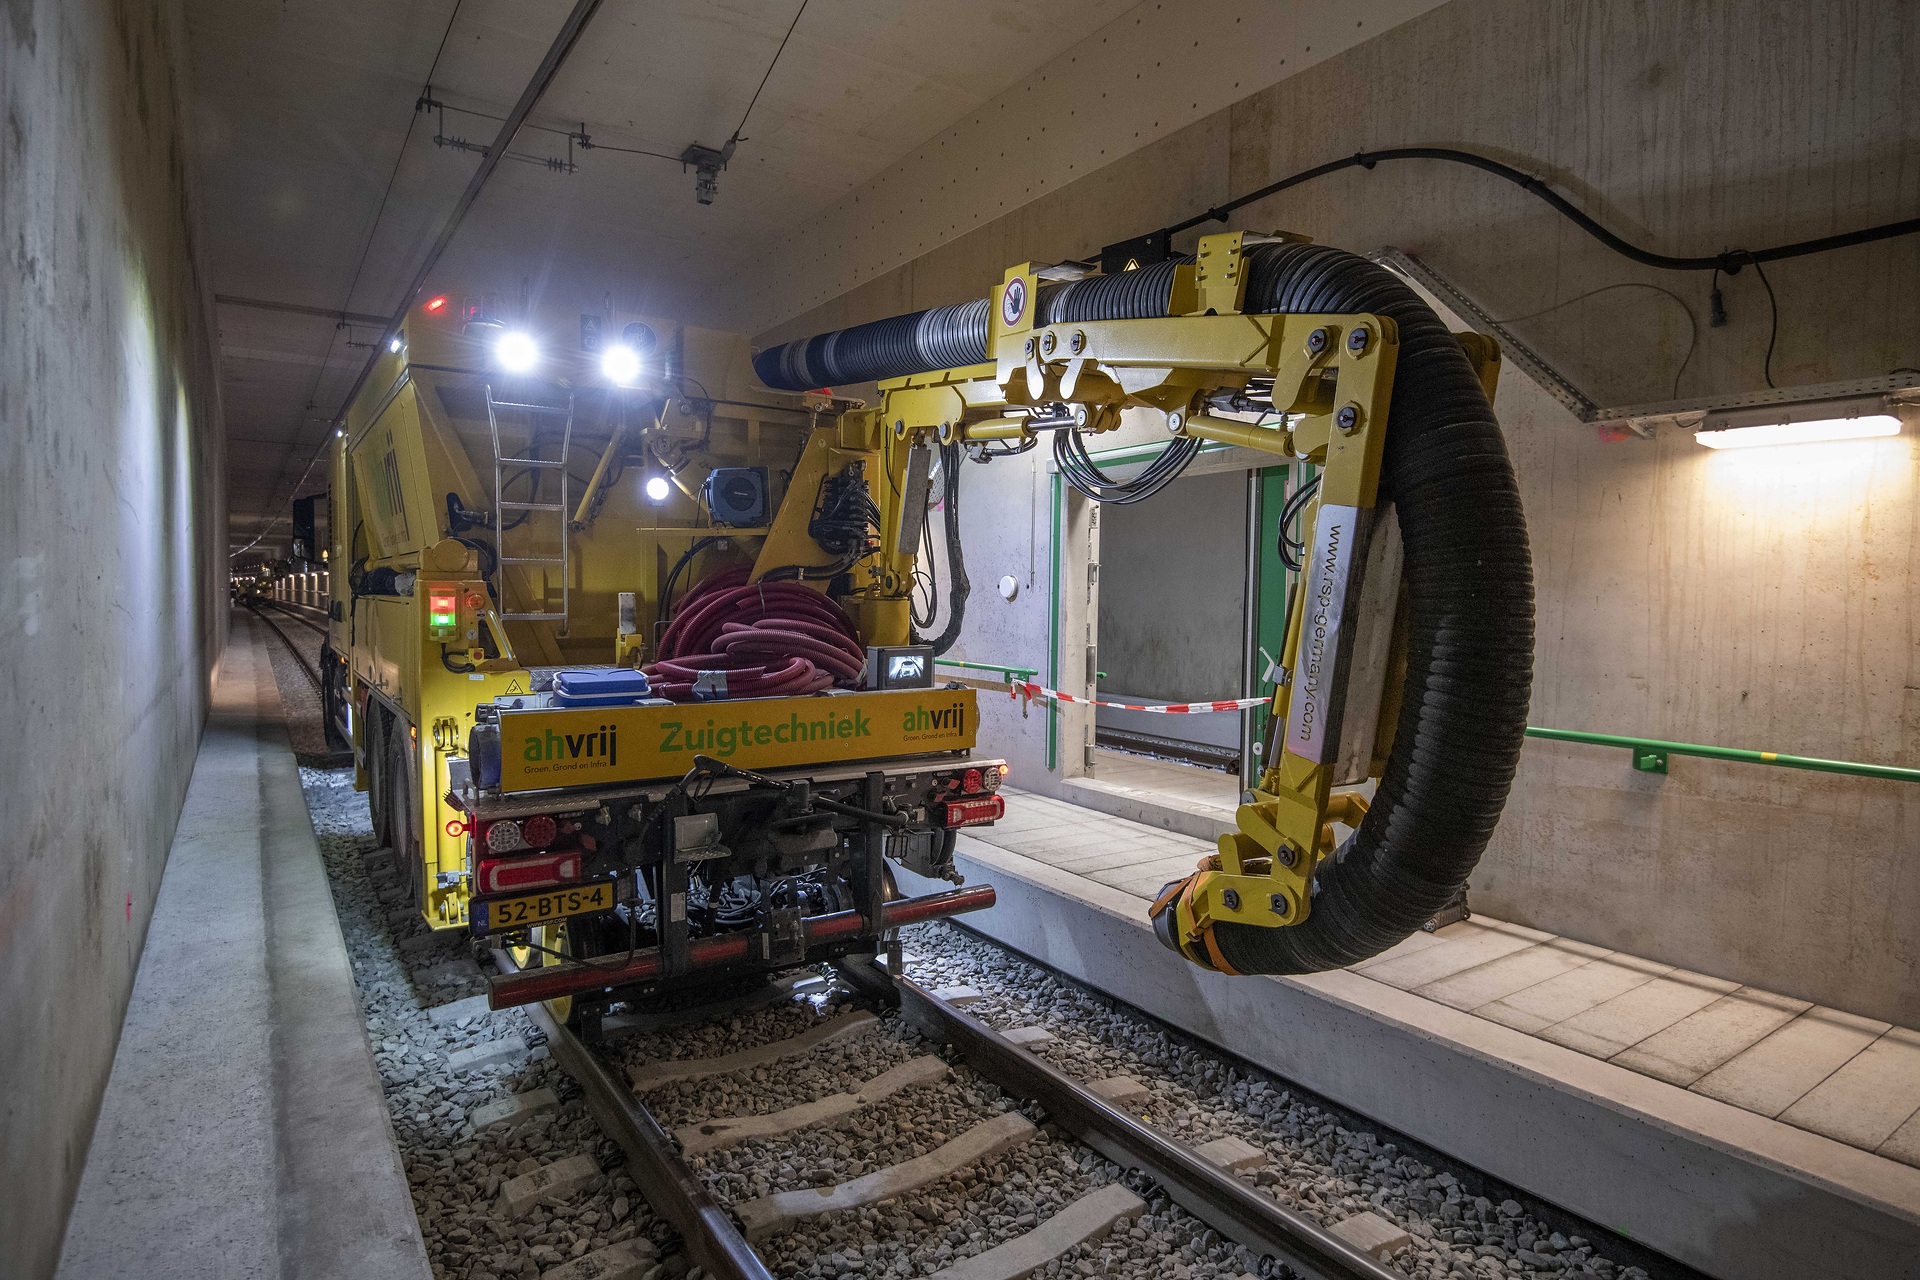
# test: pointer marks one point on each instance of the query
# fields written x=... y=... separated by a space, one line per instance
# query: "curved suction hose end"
x=1174 y=923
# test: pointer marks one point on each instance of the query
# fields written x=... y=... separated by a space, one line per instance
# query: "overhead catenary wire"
x=366 y=245
x=738 y=136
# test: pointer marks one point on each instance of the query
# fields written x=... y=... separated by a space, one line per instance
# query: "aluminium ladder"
x=536 y=414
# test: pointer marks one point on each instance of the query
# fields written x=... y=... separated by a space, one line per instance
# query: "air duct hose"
x=1469 y=584
x=952 y=337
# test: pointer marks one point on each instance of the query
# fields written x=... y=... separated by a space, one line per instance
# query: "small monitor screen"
x=903 y=668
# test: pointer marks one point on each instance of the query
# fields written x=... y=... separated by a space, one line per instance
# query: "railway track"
x=337 y=753
x=678 y=1162
x=306 y=665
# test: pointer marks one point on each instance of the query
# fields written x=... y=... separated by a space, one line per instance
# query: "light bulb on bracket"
x=620 y=365
x=516 y=351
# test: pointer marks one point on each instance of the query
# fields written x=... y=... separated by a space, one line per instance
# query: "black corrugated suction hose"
x=1469 y=578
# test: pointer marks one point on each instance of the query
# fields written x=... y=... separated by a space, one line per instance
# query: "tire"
x=403 y=836
x=374 y=735
x=332 y=699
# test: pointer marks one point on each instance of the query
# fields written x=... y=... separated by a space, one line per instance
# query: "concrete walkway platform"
x=1740 y=1132
x=244 y=1133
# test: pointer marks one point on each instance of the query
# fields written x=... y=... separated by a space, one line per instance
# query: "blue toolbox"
x=600 y=687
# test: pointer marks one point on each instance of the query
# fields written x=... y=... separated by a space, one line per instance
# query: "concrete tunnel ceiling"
x=305 y=113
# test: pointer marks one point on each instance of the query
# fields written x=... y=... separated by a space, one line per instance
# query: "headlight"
x=657 y=488
x=517 y=352
x=620 y=364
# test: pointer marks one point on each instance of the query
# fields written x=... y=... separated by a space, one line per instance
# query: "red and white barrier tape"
x=1028 y=689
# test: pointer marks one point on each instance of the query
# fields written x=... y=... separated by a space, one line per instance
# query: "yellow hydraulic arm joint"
x=1332 y=382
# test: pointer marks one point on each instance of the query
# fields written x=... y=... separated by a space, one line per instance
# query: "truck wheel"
x=547 y=939
x=332 y=699
x=374 y=736
x=403 y=818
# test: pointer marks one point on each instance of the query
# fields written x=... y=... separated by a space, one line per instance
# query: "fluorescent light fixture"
x=621 y=364
x=1817 y=422
x=657 y=489
x=517 y=352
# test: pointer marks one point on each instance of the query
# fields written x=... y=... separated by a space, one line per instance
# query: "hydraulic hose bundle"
x=960 y=586
x=1468 y=580
x=732 y=639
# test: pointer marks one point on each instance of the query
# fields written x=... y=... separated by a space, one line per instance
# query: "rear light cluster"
x=975 y=782
x=976 y=811
x=523 y=865
x=499 y=875
x=507 y=836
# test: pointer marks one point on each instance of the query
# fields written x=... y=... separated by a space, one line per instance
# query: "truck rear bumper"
x=529 y=986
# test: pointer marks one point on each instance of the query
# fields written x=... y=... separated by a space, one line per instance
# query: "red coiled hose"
x=771 y=639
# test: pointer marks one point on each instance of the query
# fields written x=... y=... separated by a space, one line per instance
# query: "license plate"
x=523 y=910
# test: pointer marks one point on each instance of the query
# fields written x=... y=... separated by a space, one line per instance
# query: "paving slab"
x=1629 y=1018
x=1904 y=1145
x=1085 y=1221
x=770 y=1215
x=1868 y=1098
x=652 y=1075
x=712 y=1135
x=1779 y=1070
x=1542 y=1005
x=1530 y=966
x=1704 y=1040
x=1464 y=946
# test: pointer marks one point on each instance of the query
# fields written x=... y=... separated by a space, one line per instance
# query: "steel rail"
x=306 y=667
x=673 y=1190
x=1208 y=1192
x=289 y=610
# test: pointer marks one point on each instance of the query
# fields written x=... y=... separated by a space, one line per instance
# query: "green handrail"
x=1009 y=672
x=1650 y=755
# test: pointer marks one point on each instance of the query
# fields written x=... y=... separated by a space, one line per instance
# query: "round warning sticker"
x=1013 y=301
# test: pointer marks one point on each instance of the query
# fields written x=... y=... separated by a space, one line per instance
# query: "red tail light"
x=973 y=813
x=500 y=875
x=970 y=782
x=508 y=836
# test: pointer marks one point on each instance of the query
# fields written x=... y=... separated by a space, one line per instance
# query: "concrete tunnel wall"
x=112 y=558
x=1763 y=599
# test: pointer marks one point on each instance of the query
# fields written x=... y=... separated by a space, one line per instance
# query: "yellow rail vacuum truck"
x=626 y=647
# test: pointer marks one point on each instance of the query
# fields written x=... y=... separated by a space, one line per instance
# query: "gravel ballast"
x=456 y=1172
x=1316 y=1166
